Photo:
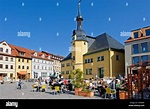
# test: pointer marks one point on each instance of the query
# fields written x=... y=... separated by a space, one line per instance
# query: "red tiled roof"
x=15 y=50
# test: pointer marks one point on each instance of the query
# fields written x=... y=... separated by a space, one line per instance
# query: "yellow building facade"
x=101 y=56
x=23 y=68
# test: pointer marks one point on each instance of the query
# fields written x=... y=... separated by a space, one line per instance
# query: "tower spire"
x=79 y=18
x=79 y=8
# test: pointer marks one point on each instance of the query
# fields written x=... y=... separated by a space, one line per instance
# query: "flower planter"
x=77 y=90
x=123 y=94
x=86 y=94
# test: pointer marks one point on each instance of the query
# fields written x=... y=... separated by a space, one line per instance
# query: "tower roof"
x=81 y=35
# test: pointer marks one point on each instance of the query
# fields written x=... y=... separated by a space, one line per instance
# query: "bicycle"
x=23 y=86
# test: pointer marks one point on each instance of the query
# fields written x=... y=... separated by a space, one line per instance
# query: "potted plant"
x=123 y=93
x=86 y=92
x=78 y=80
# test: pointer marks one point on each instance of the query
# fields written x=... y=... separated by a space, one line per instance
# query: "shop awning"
x=22 y=72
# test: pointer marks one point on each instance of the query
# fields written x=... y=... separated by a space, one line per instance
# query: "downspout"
x=110 y=74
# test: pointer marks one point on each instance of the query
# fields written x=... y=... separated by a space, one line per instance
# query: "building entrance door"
x=101 y=72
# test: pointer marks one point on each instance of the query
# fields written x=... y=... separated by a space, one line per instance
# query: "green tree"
x=78 y=78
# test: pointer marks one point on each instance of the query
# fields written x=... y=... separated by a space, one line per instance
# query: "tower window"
x=136 y=35
x=84 y=43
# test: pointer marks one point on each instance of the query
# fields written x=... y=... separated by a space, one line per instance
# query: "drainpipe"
x=110 y=74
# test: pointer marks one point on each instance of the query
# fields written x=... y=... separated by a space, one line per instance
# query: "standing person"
x=19 y=84
x=40 y=80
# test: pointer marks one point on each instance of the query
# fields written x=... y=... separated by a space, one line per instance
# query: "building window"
x=101 y=72
x=38 y=67
x=88 y=60
x=11 y=59
x=136 y=35
x=4 y=43
x=73 y=67
x=62 y=65
x=100 y=58
x=144 y=47
x=1 y=57
x=18 y=66
x=144 y=58
x=135 y=49
x=84 y=43
x=1 y=65
x=117 y=57
x=85 y=61
x=62 y=72
x=91 y=59
x=43 y=74
x=27 y=67
x=147 y=32
x=135 y=60
x=6 y=50
x=22 y=53
x=19 y=60
x=67 y=72
x=22 y=67
x=67 y=64
x=27 y=61
x=6 y=58
x=73 y=58
x=88 y=71
x=34 y=66
x=22 y=60
x=6 y=66
x=11 y=67
x=1 y=49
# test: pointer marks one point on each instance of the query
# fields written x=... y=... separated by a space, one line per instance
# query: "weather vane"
x=79 y=2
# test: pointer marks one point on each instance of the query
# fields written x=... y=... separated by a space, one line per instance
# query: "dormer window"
x=22 y=53
x=136 y=35
x=147 y=32
x=48 y=57
x=43 y=56
x=35 y=54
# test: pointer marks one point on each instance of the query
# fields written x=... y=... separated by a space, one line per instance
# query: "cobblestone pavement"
x=9 y=91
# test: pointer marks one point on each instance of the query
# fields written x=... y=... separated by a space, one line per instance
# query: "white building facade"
x=42 y=65
x=7 y=62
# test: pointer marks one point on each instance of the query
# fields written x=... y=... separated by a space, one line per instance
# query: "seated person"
x=36 y=84
x=102 y=90
x=69 y=86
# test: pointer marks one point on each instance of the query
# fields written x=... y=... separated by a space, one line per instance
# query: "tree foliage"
x=78 y=78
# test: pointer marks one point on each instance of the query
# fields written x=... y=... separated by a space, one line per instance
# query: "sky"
x=47 y=25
